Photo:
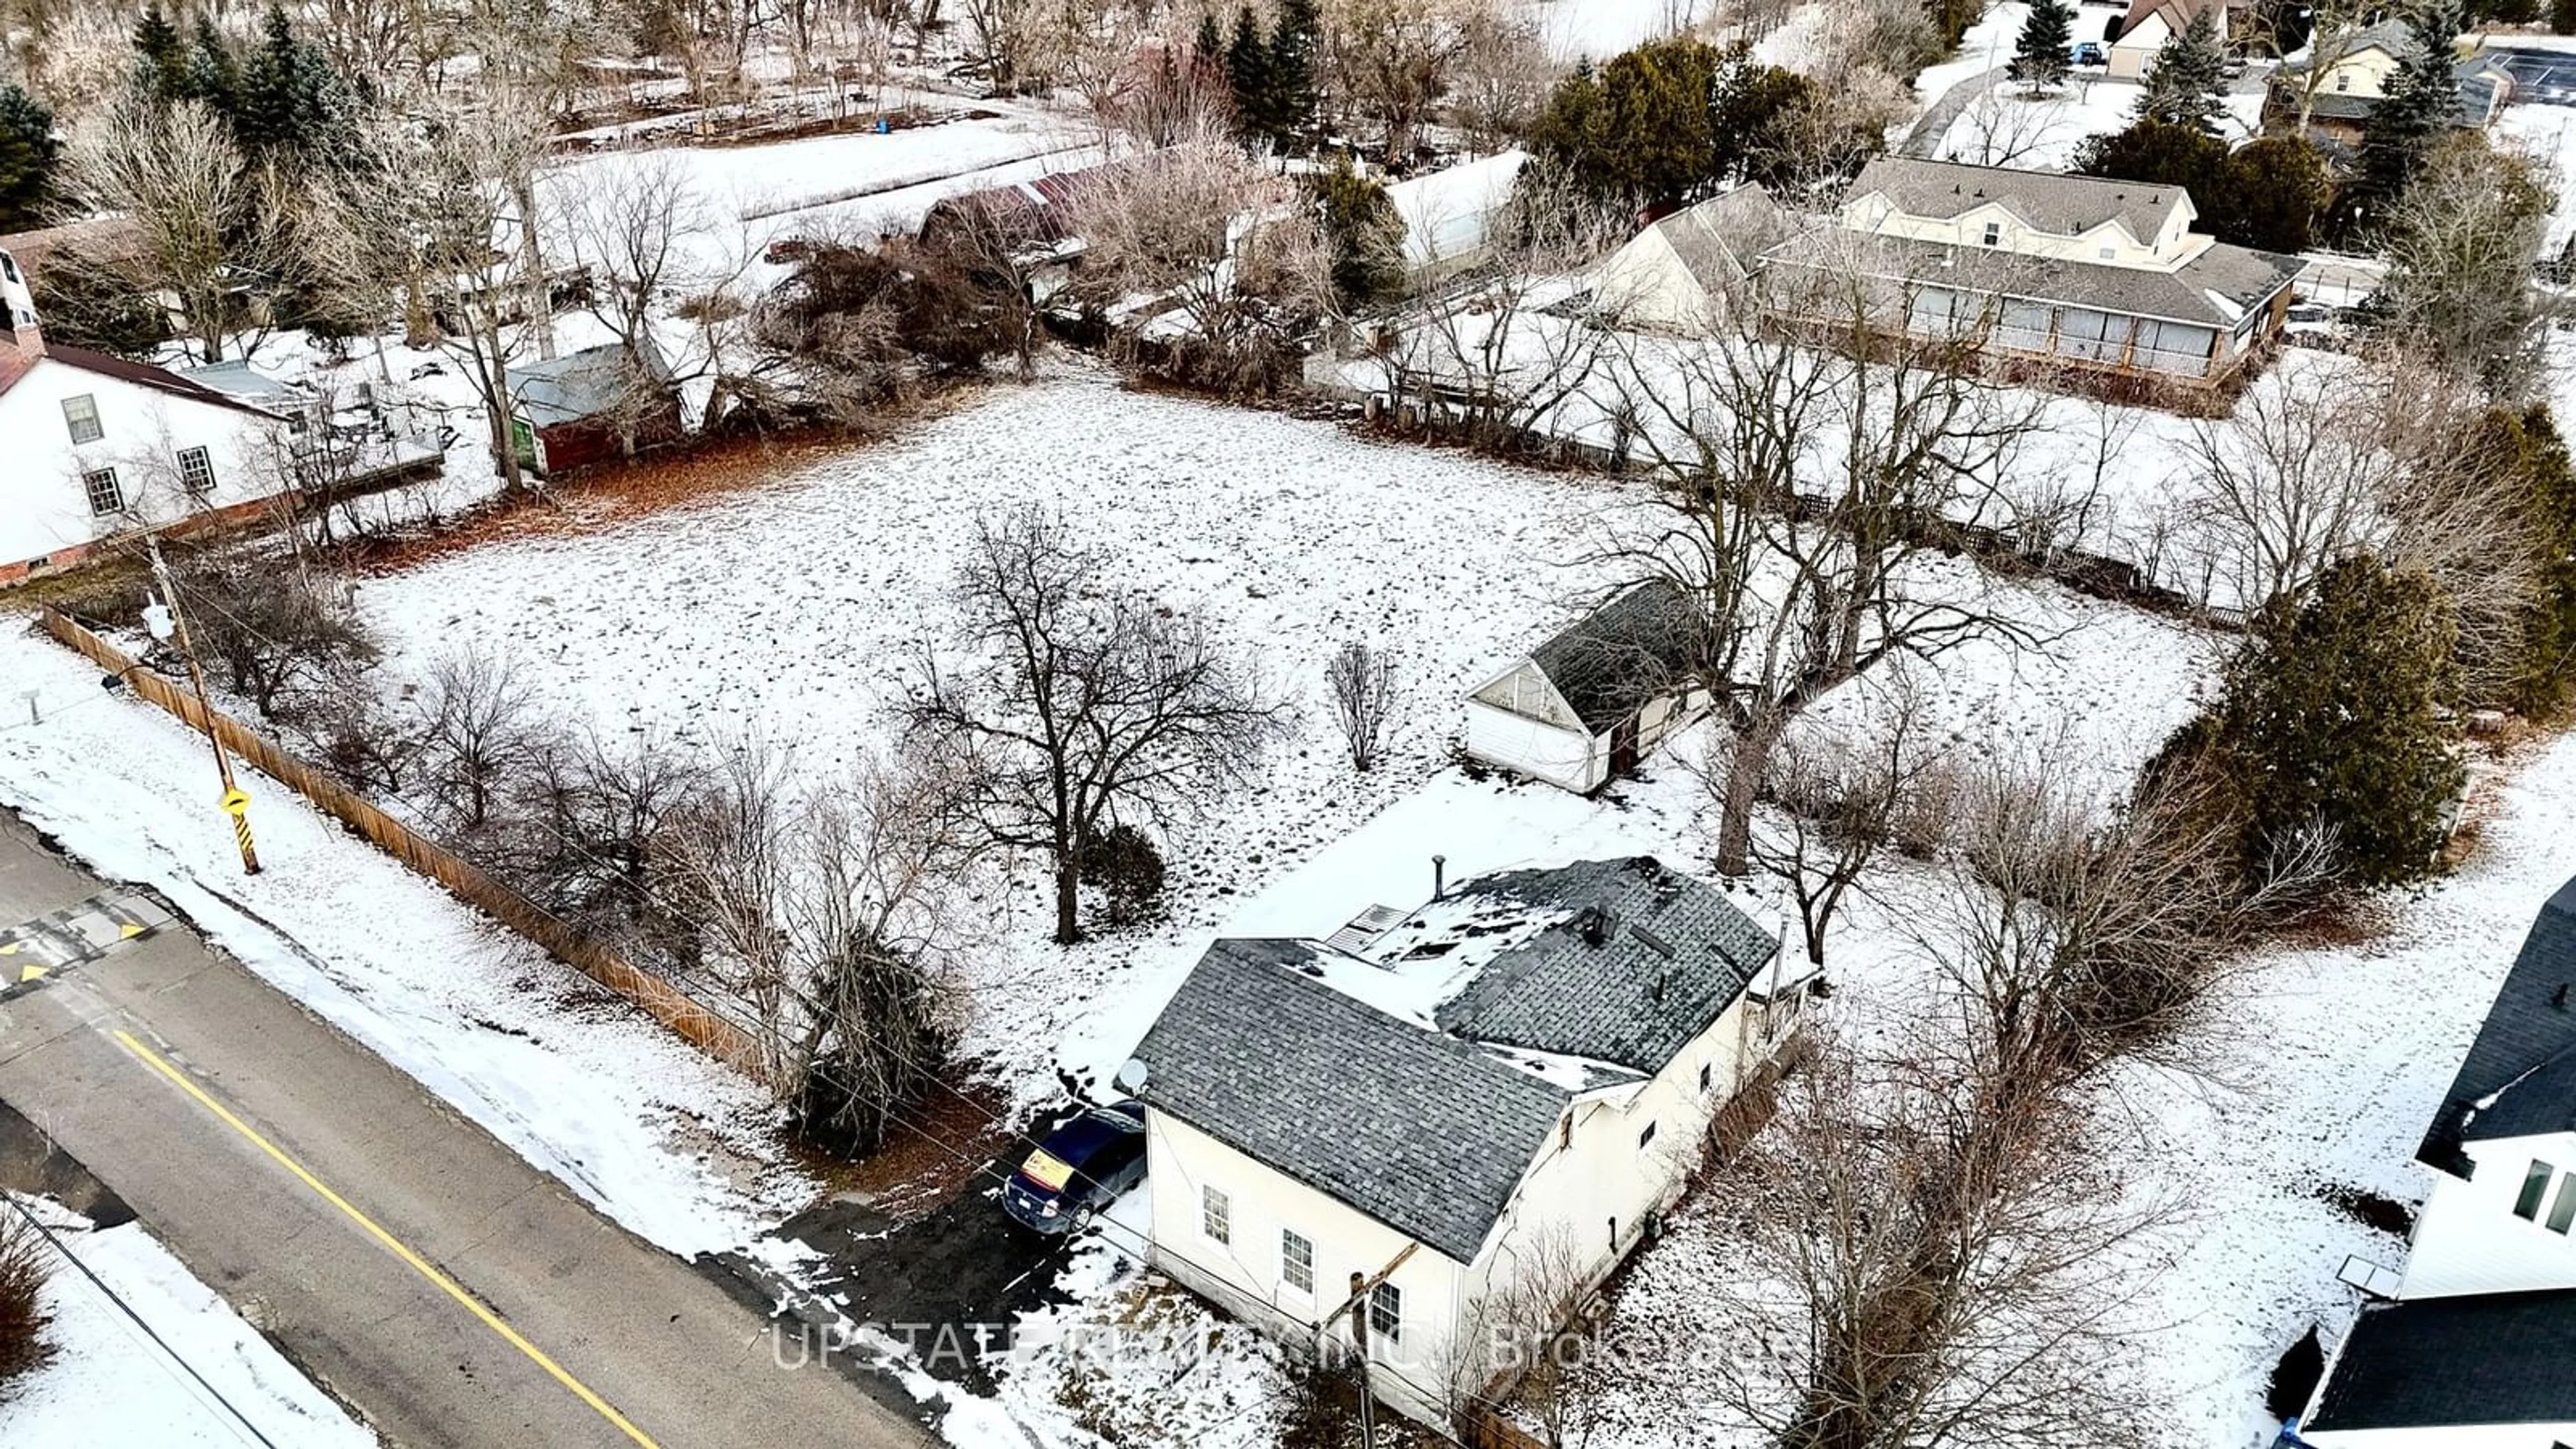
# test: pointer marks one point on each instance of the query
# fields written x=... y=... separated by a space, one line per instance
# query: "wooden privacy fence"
x=668 y=1004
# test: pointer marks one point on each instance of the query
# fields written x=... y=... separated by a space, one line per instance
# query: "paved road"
x=414 y=1266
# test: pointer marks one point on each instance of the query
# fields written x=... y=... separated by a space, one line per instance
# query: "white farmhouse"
x=2478 y=1348
x=1587 y=705
x=100 y=446
x=1498 y=1091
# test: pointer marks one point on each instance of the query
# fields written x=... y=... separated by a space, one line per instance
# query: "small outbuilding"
x=590 y=406
x=1589 y=704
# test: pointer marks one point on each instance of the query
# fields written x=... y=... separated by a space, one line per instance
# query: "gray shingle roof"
x=1707 y=236
x=1421 y=1121
x=2245 y=278
x=2046 y=200
x=1624 y=653
x=1620 y=998
x=1423 y=1132
x=2525 y=1053
x=577 y=385
x=2483 y=1358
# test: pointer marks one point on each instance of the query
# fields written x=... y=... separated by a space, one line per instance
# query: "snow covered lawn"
x=587 y=1088
x=783 y=612
x=109 y=1384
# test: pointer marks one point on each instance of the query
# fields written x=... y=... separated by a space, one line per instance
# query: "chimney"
x=1439 y=876
x=2558 y=998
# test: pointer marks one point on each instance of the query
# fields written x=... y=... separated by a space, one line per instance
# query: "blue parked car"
x=2089 y=53
x=1079 y=1169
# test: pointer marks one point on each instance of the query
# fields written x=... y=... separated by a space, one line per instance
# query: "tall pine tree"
x=2189 y=79
x=289 y=99
x=1247 y=74
x=1292 y=70
x=2413 y=112
x=2044 y=54
x=27 y=152
x=160 y=57
x=1210 y=45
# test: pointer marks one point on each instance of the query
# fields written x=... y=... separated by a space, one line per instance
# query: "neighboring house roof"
x=239 y=380
x=578 y=385
x=1417 y=1076
x=2177 y=14
x=1036 y=212
x=97 y=239
x=1624 y=653
x=2482 y=1358
x=1706 y=236
x=1672 y=955
x=2217 y=288
x=2044 y=200
x=1447 y=213
x=1423 y=1132
x=141 y=374
x=2484 y=85
x=2519 y=1078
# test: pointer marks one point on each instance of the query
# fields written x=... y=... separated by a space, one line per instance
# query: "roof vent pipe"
x=1439 y=875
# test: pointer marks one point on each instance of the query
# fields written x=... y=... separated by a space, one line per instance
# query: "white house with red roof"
x=98 y=446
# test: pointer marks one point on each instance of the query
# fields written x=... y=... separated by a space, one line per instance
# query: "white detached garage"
x=1588 y=704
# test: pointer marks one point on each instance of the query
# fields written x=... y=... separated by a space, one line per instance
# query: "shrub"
x=2338 y=716
x=1128 y=869
x=23 y=1266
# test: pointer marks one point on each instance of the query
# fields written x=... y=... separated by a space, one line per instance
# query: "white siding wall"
x=2171 y=245
x=2363 y=73
x=1647 y=285
x=43 y=506
x=1560 y=756
x=2468 y=1239
x=2134 y=54
x=1243 y=1275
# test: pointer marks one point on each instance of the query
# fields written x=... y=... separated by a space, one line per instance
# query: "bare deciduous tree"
x=1078 y=705
x=1841 y=798
x=1803 y=476
x=1362 y=682
x=1218 y=237
x=480 y=731
x=217 y=235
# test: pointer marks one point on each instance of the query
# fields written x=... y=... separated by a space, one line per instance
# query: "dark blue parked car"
x=1079 y=1169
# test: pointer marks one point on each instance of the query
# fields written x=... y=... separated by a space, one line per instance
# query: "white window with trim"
x=1386 y=1313
x=1216 y=1214
x=1296 y=1261
x=197 y=471
x=1994 y=233
x=106 y=495
x=80 y=414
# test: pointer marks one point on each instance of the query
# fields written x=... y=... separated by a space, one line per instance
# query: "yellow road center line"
x=395 y=1245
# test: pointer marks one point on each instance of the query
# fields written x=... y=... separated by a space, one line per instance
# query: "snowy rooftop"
x=1413 y=1070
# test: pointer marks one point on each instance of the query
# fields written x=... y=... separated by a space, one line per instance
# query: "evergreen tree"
x=2187 y=85
x=1365 y=233
x=160 y=57
x=1659 y=140
x=2562 y=17
x=1292 y=69
x=1210 y=45
x=213 y=76
x=2337 y=713
x=1247 y=74
x=2413 y=112
x=289 y=96
x=27 y=152
x=2271 y=194
x=2538 y=457
x=2045 y=52
x=2162 y=153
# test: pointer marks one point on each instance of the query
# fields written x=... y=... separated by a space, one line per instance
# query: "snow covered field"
x=587 y=1088
x=783 y=613
x=109 y=1384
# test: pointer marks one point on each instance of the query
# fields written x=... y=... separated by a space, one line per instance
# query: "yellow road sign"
x=236 y=802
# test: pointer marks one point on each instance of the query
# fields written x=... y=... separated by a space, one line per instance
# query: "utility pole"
x=236 y=801
x=1362 y=1285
